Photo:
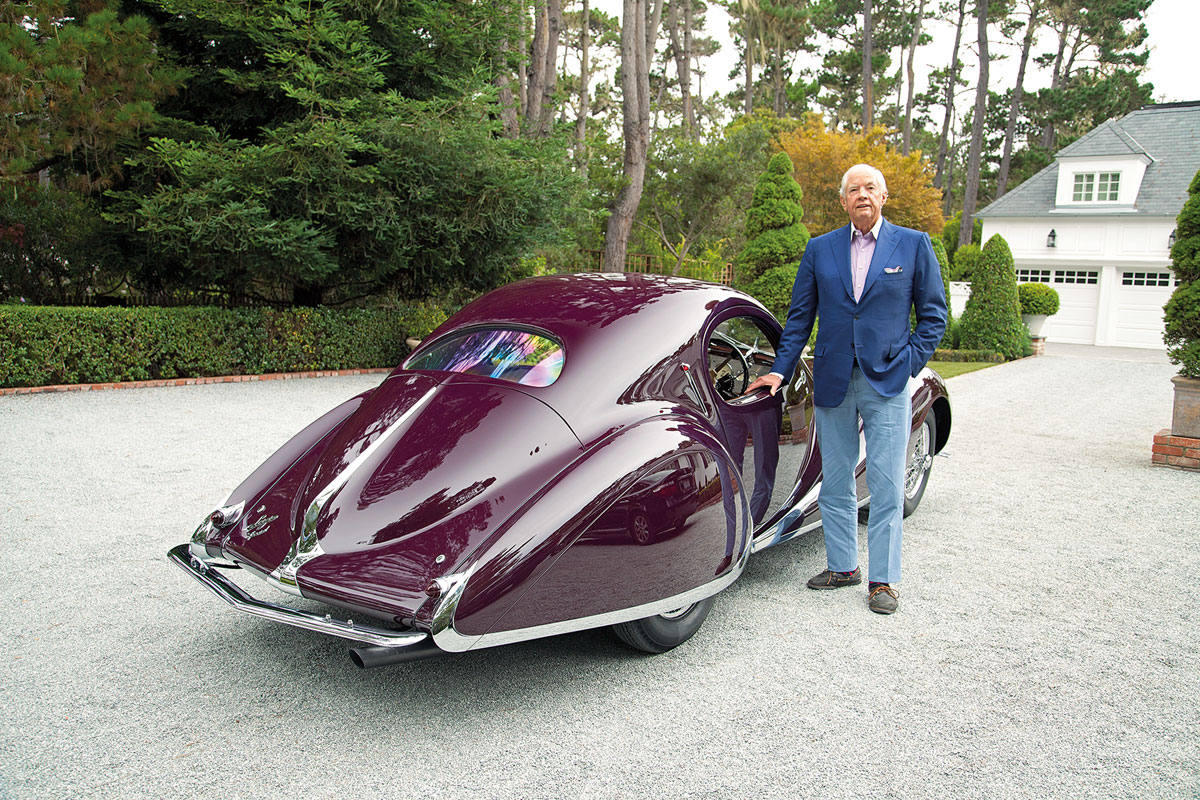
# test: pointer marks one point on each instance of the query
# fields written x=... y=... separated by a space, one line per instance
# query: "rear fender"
x=549 y=565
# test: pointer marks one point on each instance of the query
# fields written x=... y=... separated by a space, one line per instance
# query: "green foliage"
x=696 y=191
x=774 y=289
x=992 y=319
x=1185 y=253
x=1181 y=314
x=1037 y=298
x=54 y=248
x=775 y=234
x=966 y=260
x=347 y=186
x=939 y=250
x=75 y=84
x=950 y=234
x=46 y=345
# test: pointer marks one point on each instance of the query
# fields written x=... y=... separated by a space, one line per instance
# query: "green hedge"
x=967 y=355
x=45 y=345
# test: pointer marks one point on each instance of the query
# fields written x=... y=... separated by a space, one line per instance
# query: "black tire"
x=639 y=527
x=919 y=463
x=665 y=631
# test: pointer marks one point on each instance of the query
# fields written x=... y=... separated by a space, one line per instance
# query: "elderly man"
x=861 y=281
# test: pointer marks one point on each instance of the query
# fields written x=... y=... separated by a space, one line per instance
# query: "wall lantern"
x=1171 y=239
x=1051 y=238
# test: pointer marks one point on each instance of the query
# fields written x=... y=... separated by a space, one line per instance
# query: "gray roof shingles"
x=1169 y=134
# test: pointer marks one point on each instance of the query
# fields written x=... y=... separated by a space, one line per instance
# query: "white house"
x=1097 y=225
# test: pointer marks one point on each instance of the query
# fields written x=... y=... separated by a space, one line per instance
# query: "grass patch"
x=948 y=369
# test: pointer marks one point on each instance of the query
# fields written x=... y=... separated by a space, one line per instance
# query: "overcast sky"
x=1172 y=25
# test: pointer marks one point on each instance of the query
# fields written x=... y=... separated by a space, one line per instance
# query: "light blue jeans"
x=886 y=423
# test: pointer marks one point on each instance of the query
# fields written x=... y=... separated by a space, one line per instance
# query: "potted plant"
x=1181 y=317
x=1038 y=301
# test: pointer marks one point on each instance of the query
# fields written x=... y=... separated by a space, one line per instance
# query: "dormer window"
x=1096 y=187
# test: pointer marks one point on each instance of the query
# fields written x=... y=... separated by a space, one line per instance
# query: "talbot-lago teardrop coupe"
x=564 y=453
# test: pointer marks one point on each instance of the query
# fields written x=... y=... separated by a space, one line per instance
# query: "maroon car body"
x=565 y=452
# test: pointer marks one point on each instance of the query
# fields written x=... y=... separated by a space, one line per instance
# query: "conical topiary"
x=992 y=319
x=775 y=234
x=1181 y=315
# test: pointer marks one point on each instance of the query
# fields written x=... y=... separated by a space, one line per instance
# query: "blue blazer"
x=904 y=274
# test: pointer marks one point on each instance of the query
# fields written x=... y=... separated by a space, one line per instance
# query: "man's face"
x=864 y=199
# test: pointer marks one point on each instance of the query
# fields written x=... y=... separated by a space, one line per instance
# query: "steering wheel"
x=727 y=366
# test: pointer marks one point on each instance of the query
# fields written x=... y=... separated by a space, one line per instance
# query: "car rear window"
x=510 y=355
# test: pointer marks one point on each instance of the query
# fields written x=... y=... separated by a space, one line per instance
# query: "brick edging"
x=1180 y=452
x=271 y=376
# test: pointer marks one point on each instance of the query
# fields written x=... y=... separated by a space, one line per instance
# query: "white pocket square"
x=893 y=270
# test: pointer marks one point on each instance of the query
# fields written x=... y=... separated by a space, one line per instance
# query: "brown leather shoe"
x=883 y=599
x=834 y=580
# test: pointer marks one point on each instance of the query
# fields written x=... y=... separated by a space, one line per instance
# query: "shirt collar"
x=854 y=233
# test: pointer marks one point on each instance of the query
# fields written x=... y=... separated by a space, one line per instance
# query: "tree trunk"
x=689 y=112
x=868 y=99
x=537 y=63
x=635 y=106
x=951 y=79
x=1055 y=82
x=543 y=76
x=906 y=142
x=1014 y=107
x=585 y=76
x=523 y=65
x=681 y=47
x=777 y=93
x=975 y=155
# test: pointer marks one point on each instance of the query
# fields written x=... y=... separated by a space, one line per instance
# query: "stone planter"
x=1186 y=418
x=1034 y=322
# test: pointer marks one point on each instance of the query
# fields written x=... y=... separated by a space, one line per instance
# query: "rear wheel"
x=661 y=633
x=919 y=463
x=917 y=466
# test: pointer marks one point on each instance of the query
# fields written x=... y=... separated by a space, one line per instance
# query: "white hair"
x=882 y=181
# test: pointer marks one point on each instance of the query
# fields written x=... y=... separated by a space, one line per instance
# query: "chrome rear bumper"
x=233 y=594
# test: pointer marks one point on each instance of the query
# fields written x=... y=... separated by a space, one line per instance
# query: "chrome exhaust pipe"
x=370 y=656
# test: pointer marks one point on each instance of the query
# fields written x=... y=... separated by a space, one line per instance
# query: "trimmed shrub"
x=775 y=235
x=1181 y=314
x=1182 y=329
x=50 y=345
x=966 y=259
x=967 y=355
x=1037 y=298
x=992 y=319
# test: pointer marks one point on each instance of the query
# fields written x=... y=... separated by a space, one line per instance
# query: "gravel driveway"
x=1047 y=645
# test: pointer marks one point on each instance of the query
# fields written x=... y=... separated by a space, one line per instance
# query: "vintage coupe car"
x=564 y=453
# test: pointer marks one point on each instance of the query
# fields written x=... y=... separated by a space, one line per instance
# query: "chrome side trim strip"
x=450 y=639
x=239 y=599
x=306 y=547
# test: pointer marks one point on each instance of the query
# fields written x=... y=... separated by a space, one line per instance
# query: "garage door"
x=1138 y=318
x=1078 y=297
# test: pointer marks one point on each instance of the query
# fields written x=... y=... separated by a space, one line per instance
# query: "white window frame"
x=1096 y=187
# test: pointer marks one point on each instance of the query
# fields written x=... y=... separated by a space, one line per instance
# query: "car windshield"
x=518 y=356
